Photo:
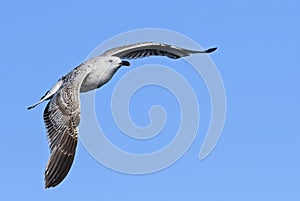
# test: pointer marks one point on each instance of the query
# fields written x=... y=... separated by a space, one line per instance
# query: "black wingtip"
x=211 y=50
x=48 y=185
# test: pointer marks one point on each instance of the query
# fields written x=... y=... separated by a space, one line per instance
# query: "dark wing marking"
x=146 y=49
x=61 y=117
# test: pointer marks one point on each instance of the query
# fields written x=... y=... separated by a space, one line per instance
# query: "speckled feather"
x=61 y=118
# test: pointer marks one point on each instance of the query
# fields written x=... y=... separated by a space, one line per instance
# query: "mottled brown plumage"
x=61 y=118
x=62 y=113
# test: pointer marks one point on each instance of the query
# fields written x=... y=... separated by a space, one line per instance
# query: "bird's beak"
x=124 y=63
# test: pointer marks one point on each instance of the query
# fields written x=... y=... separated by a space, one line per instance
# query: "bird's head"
x=115 y=62
x=108 y=62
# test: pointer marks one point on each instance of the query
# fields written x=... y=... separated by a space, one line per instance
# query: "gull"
x=62 y=113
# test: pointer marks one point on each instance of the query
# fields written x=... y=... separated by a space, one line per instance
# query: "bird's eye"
x=110 y=60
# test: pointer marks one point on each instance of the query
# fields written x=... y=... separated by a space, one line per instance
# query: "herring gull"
x=62 y=113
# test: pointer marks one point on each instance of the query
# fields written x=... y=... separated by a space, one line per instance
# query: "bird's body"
x=62 y=113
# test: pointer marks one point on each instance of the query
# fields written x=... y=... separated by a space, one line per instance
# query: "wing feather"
x=145 y=49
x=62 y=113
x=61 y=118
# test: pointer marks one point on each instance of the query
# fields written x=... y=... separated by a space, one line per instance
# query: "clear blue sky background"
x=258 y=156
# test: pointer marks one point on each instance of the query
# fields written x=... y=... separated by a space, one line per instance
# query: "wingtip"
x=211 y=50
x=48 y=185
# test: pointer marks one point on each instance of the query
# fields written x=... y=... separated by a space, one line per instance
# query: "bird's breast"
x=96 y=79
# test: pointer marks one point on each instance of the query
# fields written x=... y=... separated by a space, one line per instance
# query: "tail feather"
x=49 y=93
x=33 y=106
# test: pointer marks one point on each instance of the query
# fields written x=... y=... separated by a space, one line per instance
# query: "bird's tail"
x=32 y=106
x=49 y=93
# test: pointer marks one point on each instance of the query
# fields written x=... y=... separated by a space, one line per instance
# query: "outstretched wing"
x=146 y=49
x=61 y=117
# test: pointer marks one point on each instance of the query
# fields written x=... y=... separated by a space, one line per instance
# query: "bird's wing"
x=61 y=117
x=146 y=49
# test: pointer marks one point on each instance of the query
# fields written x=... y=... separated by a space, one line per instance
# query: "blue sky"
x=257 y=157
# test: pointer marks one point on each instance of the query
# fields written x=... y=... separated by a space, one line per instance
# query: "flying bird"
x=62 y=113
